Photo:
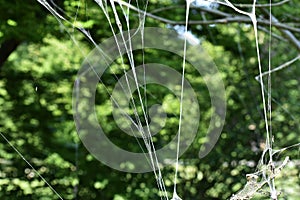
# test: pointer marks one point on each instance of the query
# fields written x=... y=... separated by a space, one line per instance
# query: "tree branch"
x=286 y=33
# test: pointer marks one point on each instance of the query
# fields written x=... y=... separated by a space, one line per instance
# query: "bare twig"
x=227 y=19
x=286 y=64
x=213 y=11
x=251 y=5
x=263 y=5
x=278 y=37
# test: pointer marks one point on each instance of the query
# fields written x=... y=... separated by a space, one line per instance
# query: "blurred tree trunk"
x=6 y=48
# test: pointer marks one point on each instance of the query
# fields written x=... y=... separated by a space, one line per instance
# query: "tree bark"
x=6 y=48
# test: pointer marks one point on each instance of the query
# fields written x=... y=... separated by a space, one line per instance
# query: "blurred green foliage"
x=36 y=85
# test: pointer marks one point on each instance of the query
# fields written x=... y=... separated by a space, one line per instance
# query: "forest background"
x=38 y=66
